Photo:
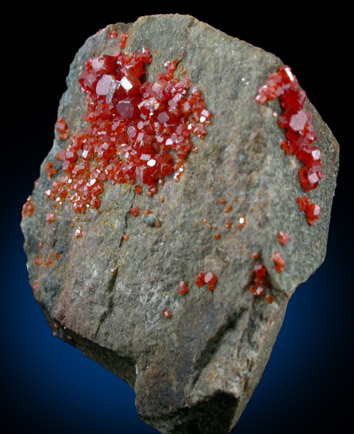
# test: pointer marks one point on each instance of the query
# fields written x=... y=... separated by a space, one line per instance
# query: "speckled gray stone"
x=195 y=372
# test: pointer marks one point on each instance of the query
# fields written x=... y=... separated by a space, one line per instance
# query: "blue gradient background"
x=48 y=386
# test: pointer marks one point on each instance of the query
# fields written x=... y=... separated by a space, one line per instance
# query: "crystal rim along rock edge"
x=193 y=360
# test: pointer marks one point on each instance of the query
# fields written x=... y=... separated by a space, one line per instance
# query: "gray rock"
x=194 y=372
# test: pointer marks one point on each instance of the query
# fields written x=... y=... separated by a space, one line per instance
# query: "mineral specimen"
x=169 y=227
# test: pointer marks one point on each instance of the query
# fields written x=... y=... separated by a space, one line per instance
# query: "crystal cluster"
x=28 y=208
x=208 y=279
x=261 y=283
x=300 y=134
x=137 y=131
x=311 y=210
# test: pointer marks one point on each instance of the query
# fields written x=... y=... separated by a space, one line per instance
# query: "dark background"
x=49 y=387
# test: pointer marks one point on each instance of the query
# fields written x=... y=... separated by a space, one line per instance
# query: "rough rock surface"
x=194 y=372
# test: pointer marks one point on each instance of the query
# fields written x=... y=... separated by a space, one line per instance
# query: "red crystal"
x=241 y=223
x=78 y=232
x=50 y=218
x=210 y=279
x=138 y=189
x=279 y=262
x=123 y=40
x=313 y=213
x=134 y=211
x=182 y=288
x=62 y=128
x=269 y=299
x=309 y=178
x=38 y=261
x=136 y=130
x=256 y=290
x=311 y=210
x=28 y=208
x=50 y=170
x=166 y=313
x=283 y=238
x=304 y=203
x=297 y=121
x=260 y=272
x=260 y=281
x=299 y=130
x=113 y=34
x=200 y=279
x=310 y=156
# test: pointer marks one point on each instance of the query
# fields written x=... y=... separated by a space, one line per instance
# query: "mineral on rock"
x=186 y=196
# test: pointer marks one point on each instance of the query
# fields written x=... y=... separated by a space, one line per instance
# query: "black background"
x=49 y=387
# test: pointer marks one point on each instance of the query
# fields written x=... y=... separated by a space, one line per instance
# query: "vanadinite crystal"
x=182 y=288
x=300 y=134
x=200 y=280
x=261 y=282
x=173 y=286
x=283 y=238
x=210 y=279
x=137 y=131
x=28 y=208
x=311 y=210
x=279 y=262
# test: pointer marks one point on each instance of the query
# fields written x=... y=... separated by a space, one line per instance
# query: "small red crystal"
x=260 y=281
x=311 y=210
x=269 y=299
x=241 y=223
x=279 y=262
x=123 y=40
x=113 y=34
x=134 y=211
x=62 y=128
x=257 y=291
x=283 y=238
x=78 y=232
x=50 y=170
x=28 y=208
x=50 y=218
x=138 y=189
x=166 y=313
x=210 y=279
x=309 y=179
x=182 y=288
x=260 y=271
x=200 y=279
x=38 y=261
